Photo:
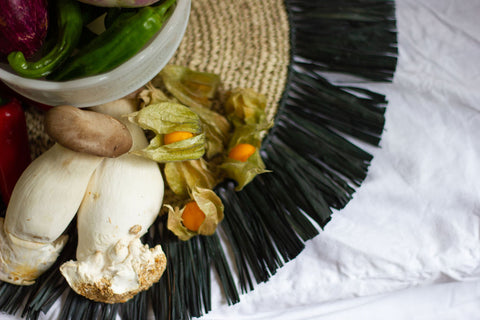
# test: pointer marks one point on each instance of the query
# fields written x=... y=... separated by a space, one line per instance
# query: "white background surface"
x=408 y=245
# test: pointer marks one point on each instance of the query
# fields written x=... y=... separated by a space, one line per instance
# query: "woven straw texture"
x=245 y=42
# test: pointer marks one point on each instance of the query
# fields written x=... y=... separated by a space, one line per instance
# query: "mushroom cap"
x=87 y=131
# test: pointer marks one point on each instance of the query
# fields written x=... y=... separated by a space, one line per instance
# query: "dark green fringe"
x=354 y=37
x=315 y=167
x=315 y=170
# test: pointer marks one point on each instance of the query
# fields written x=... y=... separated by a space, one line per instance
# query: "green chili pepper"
x=118 y=13
x=70 y=25
x=117 y=44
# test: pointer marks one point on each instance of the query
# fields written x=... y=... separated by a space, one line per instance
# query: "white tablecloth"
x=408 y=245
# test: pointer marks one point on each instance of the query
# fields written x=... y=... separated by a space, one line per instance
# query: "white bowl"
x=112 y=85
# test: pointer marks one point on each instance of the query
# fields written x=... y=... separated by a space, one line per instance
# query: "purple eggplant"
x=23 y=26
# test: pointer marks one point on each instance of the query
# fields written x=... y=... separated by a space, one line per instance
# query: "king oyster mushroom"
x=122 y=200
x=87 y=131
x=43 y=203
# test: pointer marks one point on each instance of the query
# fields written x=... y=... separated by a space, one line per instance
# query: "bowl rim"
x=99 y=79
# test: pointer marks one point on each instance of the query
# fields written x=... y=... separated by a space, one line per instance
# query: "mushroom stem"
x=24 y=261
x=44 y=201
x=123 y=199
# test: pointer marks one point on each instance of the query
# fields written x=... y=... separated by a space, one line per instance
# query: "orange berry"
x=176 y=136
x=242 y=152
x=192 y=216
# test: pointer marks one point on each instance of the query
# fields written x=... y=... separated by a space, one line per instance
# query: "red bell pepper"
x=14 y=146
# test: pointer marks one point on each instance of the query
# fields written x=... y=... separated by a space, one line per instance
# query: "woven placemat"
x=245 y=42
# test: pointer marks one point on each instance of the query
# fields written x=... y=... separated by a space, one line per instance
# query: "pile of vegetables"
x=107 y=168
x=200 y=145
x=54 y=39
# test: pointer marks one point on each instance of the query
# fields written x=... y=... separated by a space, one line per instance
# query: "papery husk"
x=247 y=105
x=185 y=175
x=175 y=224
x=244 y=172
x=192 y=88
x=152 y=95
x=209 y=203
x=188 y=149
x=248 y=133
x=166 y=117
x=245 y=108
x=216 y=128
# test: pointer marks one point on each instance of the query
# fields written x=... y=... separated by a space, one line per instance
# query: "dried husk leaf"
x=212 y=206
x=175 y=224
x=209 y=203
x=244 y=172
x=248 y=133
x=188 y=149
x=247 y=105
x=183 y=176
x=192 y=88
x=246 y=110
x=166 y=117
x=216 y=128
x=151 y=95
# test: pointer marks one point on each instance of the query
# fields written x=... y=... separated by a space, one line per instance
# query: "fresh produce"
x=123 y=199
x=70 y=24
x=15 y=151
x=77 y=51
x=116 y=199
x=246 y=106
x=196 y=90
x=87 y=131
x=43 y=203
x=242 y=152
x=192 y=216
x=103 y=169
x=120 y=3
x=246 y=110
x=232 y=143
x=192 y=88
x=243 y=170
x=216 y=129
x=187 y=221
x=22 y=29
x=117 y=44
x=165 y=118
x=176 y=136
x=183 y=176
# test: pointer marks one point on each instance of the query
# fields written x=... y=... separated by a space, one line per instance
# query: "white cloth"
x=415 y=222
x=408 y=245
